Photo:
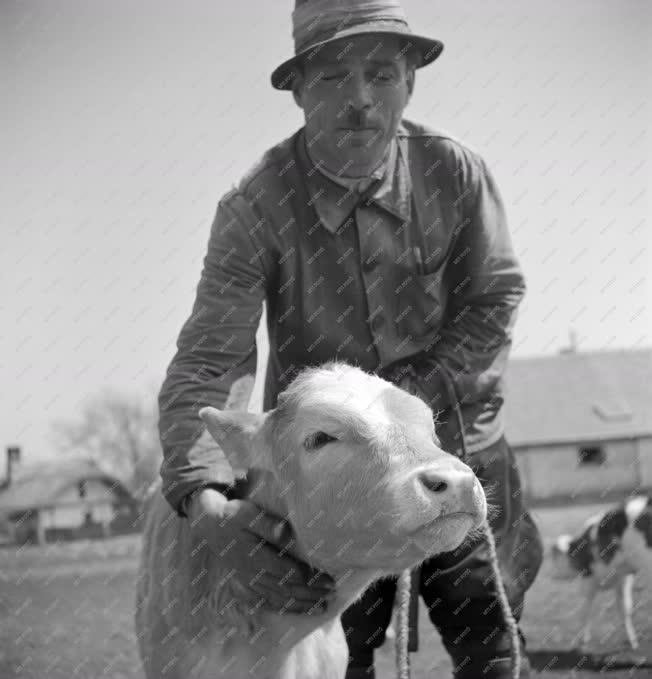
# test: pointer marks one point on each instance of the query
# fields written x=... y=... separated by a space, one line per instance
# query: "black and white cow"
x=614 y=546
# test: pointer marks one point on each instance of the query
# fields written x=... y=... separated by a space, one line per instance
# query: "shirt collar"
x=334 y=202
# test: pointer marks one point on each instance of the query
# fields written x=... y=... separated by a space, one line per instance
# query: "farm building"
x=64 y=500
x=580 y=424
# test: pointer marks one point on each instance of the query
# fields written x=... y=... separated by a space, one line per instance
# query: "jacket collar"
x=334 y=203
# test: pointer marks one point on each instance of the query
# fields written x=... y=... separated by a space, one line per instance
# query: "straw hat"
x=318 y=22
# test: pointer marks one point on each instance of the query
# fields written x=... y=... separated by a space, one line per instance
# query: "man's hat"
x=318 y=22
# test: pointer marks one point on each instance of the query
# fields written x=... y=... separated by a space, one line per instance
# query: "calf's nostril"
x=439 y=487
x=433 y=482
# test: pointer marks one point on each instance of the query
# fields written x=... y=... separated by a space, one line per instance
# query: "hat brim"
x=427 y=50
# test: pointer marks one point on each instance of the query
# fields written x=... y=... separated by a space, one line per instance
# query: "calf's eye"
x=317 y=440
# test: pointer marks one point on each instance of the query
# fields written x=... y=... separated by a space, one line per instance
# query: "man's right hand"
x=255 y=545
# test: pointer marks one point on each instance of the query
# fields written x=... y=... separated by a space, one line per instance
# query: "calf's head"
x=359 y=467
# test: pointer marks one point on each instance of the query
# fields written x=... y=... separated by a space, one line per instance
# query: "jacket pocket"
x=421 y=302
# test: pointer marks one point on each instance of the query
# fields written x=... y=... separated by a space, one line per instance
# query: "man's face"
x=353 y=93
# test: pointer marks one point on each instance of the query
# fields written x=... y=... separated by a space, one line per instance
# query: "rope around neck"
x=402 y=655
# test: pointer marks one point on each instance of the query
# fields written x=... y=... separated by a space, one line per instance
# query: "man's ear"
x=410 y=77
x=241 y=435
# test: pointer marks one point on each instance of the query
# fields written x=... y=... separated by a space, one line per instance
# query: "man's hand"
x=403 y=375
x=255 y=545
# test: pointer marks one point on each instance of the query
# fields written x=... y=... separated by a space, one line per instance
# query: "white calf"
x=614 y=546
x=355 y=465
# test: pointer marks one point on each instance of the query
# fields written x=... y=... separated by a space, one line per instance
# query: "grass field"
x=66 y=613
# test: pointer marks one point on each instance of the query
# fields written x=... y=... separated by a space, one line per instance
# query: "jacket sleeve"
x=216 y=346
x=486 y=285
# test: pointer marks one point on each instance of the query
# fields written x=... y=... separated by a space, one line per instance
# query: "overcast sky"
x=124 y=122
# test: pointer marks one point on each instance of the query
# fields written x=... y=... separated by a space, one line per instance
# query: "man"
x=377 y=241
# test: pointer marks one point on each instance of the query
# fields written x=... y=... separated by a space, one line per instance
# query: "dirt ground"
x=66 y=613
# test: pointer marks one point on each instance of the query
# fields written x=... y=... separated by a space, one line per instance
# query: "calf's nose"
x=444 y=482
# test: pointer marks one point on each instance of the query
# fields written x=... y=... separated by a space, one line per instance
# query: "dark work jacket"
x=418 y=269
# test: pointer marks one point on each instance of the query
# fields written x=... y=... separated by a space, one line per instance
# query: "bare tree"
x=118 y=431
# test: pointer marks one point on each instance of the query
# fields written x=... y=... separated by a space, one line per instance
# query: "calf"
x=613 y=547
x=355 y=464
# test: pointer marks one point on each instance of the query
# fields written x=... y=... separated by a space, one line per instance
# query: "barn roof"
x=40 y=484
x=588 y=396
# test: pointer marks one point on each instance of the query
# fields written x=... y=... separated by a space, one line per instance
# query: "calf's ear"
x=240 y=435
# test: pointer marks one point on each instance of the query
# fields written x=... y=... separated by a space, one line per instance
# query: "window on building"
x=592 y=455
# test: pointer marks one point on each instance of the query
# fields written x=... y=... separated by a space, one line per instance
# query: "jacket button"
x=369 y=264
x=376 y=322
